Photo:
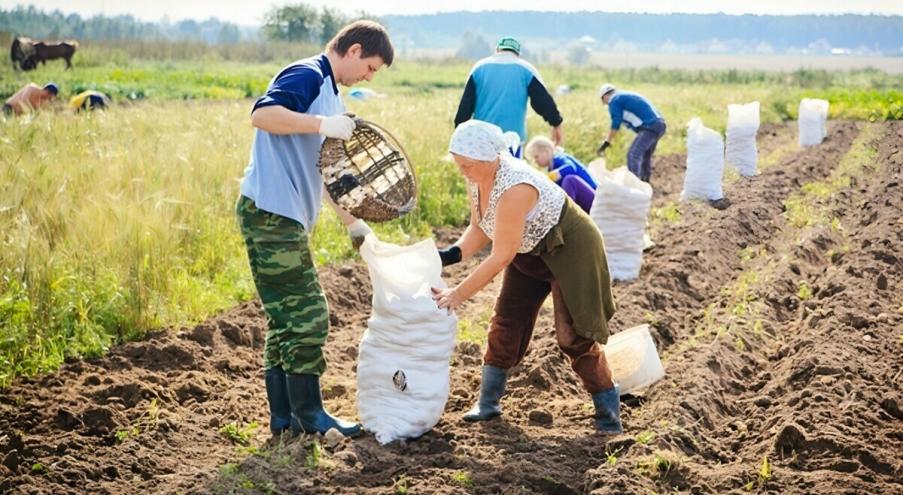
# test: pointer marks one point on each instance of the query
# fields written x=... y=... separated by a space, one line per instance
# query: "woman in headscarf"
x=545 y=244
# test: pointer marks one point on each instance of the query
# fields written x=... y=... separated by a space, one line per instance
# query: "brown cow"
x=22 y=53
x=49 y=51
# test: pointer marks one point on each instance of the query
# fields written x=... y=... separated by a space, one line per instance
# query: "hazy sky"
x=251 y=11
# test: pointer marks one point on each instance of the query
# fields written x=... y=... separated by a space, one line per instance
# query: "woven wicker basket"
x=369 y=175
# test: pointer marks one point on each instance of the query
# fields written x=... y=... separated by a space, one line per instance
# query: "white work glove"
x=337 y=126
x=358 y=230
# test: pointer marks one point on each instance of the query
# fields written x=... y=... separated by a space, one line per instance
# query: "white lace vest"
x=541 y=218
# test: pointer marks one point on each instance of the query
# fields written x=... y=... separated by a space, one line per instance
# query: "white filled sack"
x=402 y=370
x=705 y=163
x=620 y=210
x=597 y=169
x=813 y=121
x=740 y=139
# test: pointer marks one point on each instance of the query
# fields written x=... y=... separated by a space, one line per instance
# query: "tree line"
x=29 y=21
x=651 y=31
x=299 y=22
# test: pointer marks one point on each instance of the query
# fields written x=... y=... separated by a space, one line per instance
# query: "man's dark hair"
x=373 y=38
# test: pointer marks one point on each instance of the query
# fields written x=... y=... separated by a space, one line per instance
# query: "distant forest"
x=699 y=33
x=661 y=32
x=29 y=21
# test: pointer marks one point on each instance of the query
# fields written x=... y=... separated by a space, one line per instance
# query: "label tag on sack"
x=400 y=381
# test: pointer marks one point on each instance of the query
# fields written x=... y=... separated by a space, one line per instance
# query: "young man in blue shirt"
x=497 y=91
x=280 y=200
x=639 y=115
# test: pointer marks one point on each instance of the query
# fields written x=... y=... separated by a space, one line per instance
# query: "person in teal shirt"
x=498 y=89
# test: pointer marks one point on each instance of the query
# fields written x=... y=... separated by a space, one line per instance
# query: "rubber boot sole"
x=476 y=418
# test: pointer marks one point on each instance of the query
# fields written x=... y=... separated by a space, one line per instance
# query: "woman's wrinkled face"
x=472 y=170
x=541 y=156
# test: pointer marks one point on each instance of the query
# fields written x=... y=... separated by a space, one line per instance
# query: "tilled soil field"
x=779 y=320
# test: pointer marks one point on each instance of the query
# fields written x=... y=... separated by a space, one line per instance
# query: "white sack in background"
x=620 y=210
x=740 y=139
x=597 y=168
x=813 y=120
x=705 y=163
x=402 y=370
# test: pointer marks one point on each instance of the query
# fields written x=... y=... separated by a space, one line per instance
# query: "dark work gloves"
x=602 y=147
x=450 y=255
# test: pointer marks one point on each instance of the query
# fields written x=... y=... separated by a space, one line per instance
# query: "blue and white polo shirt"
x=282 y=176
x=632 y=109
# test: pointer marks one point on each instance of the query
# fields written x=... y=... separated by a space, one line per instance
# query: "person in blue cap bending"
x=640 y=116
x=497 y=91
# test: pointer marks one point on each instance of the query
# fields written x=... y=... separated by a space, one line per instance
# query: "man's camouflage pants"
x=286 y=279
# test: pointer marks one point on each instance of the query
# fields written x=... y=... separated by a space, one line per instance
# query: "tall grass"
x=117 y=222
x=114 y=223
x=153 y=80
x=93 y=53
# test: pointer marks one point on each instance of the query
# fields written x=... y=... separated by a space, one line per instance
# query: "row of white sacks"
x=706 y=151
x=622 y=202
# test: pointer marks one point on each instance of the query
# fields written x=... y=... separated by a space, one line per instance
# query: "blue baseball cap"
x=52 y=87
x=510 y=44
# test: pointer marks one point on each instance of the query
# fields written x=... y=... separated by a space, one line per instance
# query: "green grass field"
x=118 y=222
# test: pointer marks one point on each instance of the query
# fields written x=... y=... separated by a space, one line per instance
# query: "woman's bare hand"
x=448 y=299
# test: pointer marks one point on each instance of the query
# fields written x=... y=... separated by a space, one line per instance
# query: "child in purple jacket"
x=564 y=170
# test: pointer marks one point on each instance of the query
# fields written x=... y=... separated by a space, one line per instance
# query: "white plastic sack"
x=620 y=209
x=705 y=162
x=740 y=139
x=597 y=169
x=402 y=370
x=512 y=139
x=813 y=121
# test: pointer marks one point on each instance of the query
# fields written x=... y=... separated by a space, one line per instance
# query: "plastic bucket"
x=633 y=359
